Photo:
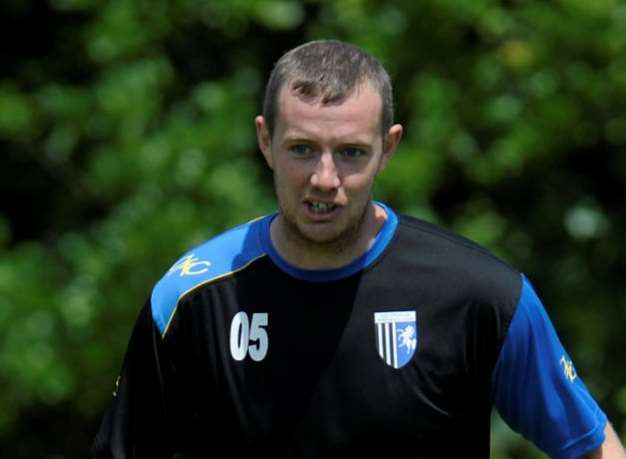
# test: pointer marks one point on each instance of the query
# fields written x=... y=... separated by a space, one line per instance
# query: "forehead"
x=356 y=116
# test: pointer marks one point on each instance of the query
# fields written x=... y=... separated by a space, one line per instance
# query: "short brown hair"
x=328 y=70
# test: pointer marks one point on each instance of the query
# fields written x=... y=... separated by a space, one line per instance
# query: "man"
x=337 y=328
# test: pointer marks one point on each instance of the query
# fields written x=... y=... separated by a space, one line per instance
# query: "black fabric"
x=322 y=391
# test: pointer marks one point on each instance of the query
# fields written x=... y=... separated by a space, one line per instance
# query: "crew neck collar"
x=382 y=240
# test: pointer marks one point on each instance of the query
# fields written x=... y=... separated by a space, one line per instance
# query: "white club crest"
x=396 y=336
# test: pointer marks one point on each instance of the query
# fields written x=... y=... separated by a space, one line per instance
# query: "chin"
x=324 y=236
x=331 y=235
x=321 y=239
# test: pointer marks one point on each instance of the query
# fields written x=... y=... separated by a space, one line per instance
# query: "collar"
x=382 y=240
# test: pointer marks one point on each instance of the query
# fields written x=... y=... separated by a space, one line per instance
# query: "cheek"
x=360 y=181
x=292 y=173
x=288 y=179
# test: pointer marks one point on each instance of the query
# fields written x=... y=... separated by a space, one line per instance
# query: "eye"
x=353 y=152
x=300 y=149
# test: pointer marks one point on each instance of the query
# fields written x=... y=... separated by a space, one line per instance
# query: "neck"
x=306 y=254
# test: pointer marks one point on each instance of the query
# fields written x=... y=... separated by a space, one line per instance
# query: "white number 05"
x=246 y=338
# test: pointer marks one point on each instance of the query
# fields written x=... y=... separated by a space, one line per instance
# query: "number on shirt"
x=249 y=339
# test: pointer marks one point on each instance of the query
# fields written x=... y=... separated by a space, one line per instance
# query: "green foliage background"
x=126 y=137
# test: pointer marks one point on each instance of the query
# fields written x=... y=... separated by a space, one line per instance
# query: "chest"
x=333 y=362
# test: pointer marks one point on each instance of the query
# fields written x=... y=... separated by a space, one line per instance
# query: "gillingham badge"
x=396 y=336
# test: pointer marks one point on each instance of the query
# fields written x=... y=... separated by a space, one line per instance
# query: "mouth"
x=320 y=208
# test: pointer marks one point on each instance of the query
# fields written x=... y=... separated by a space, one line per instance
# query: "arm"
x=611 y=448
x=537 y=390
x=136 y=424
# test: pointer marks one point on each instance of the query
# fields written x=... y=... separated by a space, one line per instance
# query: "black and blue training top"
x=401 y=354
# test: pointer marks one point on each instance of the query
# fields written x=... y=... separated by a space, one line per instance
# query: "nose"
x=325 y=176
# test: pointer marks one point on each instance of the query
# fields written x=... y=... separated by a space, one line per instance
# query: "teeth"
x=321 y=207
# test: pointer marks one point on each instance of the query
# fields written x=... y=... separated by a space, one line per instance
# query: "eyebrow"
x=352 y=144
x=300 y=136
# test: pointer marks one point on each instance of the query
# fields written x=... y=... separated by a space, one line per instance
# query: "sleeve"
x=135 y=424
x=536 y=389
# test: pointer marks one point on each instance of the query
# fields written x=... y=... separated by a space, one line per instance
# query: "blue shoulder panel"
x=536 y=389
x=216 y=258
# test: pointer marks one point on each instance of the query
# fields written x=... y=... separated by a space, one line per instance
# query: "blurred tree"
x=127 y=136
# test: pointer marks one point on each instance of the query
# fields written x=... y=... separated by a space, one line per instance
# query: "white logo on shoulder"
x=568 y=369
x=396 y=336
x=190 y=266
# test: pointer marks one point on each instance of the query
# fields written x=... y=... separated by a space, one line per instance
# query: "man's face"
x=325 y=159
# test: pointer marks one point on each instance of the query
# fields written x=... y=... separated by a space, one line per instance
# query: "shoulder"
x=457 y=265
x=447 y=246
x=445 y=241
x=208 y=262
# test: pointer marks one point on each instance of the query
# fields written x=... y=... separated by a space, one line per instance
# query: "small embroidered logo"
x=190 y=266
x=568 y=369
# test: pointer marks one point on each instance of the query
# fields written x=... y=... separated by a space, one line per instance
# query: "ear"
x=264 y=140
x=390 y=142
